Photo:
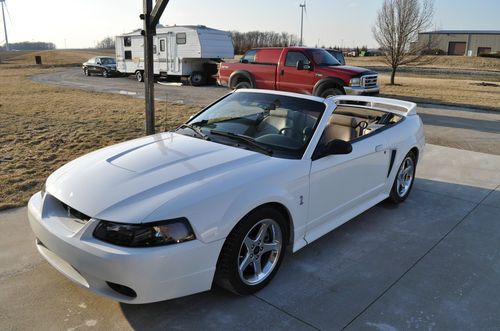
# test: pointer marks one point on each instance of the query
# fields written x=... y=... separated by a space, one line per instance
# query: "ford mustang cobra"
x=222 y=197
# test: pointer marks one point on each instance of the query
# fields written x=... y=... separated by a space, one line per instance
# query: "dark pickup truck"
x=296 y=69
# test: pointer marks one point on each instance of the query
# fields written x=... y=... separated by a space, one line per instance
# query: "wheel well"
x=240 y=78
x=415 y=152
x=286 y=215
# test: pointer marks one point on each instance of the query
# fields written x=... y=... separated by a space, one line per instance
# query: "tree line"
x=243 y=41
x=29 y=46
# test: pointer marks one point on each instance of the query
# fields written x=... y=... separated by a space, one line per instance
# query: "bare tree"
x=106 y=43
x=396 y=30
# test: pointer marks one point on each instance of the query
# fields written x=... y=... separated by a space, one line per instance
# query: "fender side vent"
x=391 y=164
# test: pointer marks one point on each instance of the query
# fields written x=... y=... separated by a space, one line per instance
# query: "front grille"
x=75 y=214
x=369 y=81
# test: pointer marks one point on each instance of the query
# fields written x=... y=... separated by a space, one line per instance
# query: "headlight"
x=145 y=235
x=355 y=82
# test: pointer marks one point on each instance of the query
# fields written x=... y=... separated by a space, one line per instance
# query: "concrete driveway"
x=458 y=127
x=432 y=262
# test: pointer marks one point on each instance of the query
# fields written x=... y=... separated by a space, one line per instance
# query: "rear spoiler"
x=398 y=107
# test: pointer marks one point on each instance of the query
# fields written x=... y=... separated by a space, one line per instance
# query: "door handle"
x=379 y=148
x=282 y=72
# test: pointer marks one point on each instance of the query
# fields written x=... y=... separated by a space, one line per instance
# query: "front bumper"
x=154 y=273
x=355 y=90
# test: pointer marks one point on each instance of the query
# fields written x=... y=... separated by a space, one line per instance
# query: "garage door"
x=456 y=48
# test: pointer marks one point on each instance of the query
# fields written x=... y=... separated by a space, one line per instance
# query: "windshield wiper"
x=244 y=139
x=195 y=129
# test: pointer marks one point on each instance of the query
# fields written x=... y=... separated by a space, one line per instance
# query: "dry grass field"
x=42 y=127
x=445 y=62
x=52 y=57
x=443 y=90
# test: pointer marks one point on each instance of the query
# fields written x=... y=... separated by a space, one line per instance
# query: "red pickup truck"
x=297 y=69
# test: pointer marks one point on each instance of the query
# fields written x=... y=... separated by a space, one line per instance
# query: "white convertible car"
x=222 y=197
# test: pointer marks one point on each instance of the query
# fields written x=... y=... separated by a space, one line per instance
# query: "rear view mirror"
x=338 y=147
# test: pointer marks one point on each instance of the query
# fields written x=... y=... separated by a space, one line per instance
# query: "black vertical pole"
x=148 y=32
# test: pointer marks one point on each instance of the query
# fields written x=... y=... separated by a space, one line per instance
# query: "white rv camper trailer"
x=183 y=51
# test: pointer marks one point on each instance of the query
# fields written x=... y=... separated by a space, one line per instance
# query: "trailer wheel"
x=139 y=75
x=198 y=78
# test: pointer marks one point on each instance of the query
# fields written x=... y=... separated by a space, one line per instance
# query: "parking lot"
x=429 y=263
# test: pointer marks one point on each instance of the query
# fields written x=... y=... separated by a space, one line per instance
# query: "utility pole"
x=5 y=27
x=302 y=8
x=151 y=16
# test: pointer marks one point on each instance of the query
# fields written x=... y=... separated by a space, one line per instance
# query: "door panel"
x=340 y=183
x=292 y=80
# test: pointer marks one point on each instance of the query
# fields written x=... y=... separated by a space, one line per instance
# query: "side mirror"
x=242 y=60
x=338 y=147
x=302 y=66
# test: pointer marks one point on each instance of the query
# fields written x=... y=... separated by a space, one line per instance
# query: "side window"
x=162 y=45
x=180 y=38
x=249 y=57
x=127 y=41
x=293 y=56
x=128 y=55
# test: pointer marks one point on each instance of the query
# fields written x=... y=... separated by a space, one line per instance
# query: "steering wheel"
x=363 y=125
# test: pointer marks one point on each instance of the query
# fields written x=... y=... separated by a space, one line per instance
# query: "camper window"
x=127 y=41
x=162 y=45
x=128 y=55
x=180 y=38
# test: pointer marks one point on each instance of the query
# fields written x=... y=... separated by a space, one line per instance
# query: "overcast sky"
x=81 y=23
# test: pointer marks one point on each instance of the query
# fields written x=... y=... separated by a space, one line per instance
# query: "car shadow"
x=372 y=250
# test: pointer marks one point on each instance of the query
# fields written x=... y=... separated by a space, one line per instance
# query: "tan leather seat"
x=340 y=127
x=277 y=120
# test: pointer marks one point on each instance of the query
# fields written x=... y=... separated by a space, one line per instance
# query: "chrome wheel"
x=260 y=251
x=404 y=177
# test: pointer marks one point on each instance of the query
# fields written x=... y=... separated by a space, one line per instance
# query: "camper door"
x=162 y=54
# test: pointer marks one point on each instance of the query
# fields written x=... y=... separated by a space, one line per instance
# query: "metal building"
x=463 y=42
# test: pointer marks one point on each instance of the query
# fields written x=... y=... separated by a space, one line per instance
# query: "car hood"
x=128 y=181
x=347 y=70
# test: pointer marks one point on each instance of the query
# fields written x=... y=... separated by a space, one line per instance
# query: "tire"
x=244 y=246
x=329 y=92
x=105 y=73
x=198 y=78
x=404 y=179
x=86 y=72
x=139 y=75
x=243 y=84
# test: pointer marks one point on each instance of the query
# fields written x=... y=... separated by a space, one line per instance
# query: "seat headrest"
x=337 y=119
x=278 y=112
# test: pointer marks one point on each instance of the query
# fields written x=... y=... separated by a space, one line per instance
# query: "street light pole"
x=7 y=48
x=302 y=8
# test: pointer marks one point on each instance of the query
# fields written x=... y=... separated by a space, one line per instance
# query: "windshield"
x=268 y=123
x=107 y=60
x=322 y=58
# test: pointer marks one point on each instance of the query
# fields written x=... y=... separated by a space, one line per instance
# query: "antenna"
x=302 y=10
x=5 y=25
